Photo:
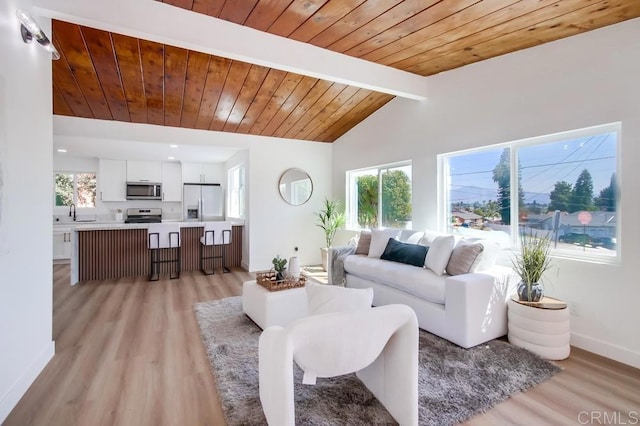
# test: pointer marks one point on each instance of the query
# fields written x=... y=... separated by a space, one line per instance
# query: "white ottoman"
x=267 y=308
x=542 y=328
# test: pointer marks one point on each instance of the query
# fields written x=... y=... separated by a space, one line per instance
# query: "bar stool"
x=217 y=235
x=162 y=236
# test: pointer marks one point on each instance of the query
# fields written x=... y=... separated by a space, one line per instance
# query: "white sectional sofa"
x=466 y=309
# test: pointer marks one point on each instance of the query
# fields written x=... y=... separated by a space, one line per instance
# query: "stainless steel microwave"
x=144 y=191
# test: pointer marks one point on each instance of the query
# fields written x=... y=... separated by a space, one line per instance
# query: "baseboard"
x=244 y=265
x=608 y=350
x=19 y=388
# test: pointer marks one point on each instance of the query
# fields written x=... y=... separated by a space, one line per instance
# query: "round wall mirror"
x=295 y=187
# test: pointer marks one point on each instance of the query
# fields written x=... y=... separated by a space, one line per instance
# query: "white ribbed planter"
x=545 y=332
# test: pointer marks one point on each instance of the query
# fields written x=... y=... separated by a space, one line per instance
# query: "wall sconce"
x=29 y=29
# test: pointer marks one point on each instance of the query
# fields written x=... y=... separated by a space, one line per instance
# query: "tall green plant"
x=534 y=258
x=330 y=219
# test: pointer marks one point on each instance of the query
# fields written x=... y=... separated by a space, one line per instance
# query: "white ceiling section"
x=84 y=137
x=162 y=23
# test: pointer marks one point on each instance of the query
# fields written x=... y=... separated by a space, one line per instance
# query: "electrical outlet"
x=574 y=309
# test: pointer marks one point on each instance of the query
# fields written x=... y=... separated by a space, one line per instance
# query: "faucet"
x=72 y=207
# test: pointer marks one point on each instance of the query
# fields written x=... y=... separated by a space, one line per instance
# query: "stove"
x=144 y=215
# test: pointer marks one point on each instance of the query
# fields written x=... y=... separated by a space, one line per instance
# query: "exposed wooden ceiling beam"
x=162 y=23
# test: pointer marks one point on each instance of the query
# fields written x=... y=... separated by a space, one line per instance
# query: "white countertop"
x=104 y=226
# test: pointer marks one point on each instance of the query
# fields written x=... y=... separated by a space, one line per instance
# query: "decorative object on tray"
x=532 y=261
x=294 y=267
x=330 y=219
x=268 y=280
x=279 y=266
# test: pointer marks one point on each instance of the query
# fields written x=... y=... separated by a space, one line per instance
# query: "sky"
x=541 y=166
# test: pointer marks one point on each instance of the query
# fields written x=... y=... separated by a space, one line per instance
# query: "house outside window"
x=236 y=192
x=379 y=197
x=77 y=188
x=564 y=186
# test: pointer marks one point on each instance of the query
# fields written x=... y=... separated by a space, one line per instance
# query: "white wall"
x=275 y=226
x=25 y=208
x=242 y=157
x=573 y=83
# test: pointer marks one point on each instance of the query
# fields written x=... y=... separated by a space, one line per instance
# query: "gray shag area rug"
x=454 y=383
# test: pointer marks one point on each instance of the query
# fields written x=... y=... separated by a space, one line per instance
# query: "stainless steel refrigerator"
x=202 y=202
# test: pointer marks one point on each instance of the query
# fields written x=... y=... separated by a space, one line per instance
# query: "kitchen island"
x=104 y=251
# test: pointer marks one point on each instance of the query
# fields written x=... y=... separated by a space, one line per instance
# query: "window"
x=76 y=188
x=379 y=197
x=563 y=185
x=236 y=197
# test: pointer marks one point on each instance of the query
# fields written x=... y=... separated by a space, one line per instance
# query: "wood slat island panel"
x=114 y=253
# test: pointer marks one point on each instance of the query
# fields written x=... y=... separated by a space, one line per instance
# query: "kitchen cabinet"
x=171 y=182
x=202 y=173
x=112 y=180
x=61 y=243
x=144 y=171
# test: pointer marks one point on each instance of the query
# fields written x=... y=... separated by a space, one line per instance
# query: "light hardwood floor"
x=128 y=352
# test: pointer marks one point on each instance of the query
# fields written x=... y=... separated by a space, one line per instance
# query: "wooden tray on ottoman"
x=268 y=280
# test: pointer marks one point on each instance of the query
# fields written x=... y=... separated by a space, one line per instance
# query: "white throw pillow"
x=429 y=236
x=439 y=253
x=324 y=298
x=490 y=253
x=414 y=238
x=379 y=240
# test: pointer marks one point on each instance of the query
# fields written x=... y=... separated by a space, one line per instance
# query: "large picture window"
x=379 y=197
x=564 y=186
x=75 y=188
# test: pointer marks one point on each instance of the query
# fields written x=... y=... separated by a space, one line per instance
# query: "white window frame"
x=238 y=193
x=75 y=190
x=351 y=204
x=444 y=216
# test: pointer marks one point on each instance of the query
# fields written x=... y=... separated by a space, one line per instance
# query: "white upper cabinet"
x=112 y=179
x=212 y=173
x=171 y=182
x=144 y=171
x=202 y=173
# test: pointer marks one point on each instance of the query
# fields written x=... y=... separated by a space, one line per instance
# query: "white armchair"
x=379 y=344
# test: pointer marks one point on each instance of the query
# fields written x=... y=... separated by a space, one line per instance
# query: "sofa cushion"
x=379 y=240
x=419 y=282
x=411 y=254
x=325 y=299
x=410 y=236
x=364 y=242
x=490 y=253
x=465 y=258
x=439 y=252
x=429 y=236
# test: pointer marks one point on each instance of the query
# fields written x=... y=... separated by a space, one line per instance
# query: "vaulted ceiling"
x=111 y=76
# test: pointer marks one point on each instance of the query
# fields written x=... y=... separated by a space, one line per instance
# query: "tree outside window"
x=380 y=196
x=75 y=188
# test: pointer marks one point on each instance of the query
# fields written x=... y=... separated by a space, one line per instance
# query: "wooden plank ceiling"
x=110 y=76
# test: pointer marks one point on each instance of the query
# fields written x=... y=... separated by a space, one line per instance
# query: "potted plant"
x=279 y=266
x=330 y=219
x=532 y=261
